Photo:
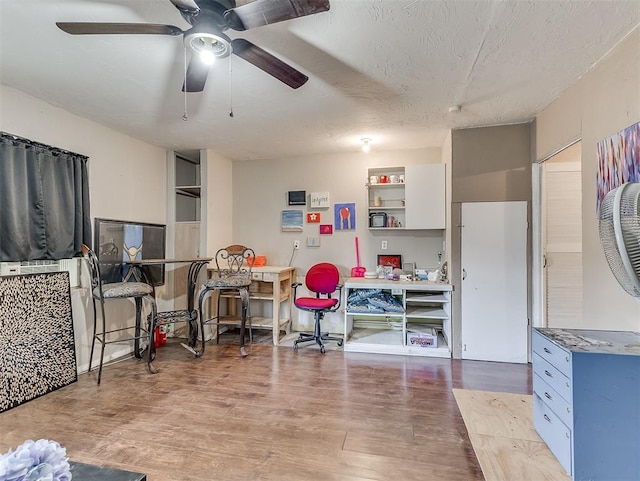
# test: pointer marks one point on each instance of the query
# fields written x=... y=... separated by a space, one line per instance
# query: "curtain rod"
x=54 y=150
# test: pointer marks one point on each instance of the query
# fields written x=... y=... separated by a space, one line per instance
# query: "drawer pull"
x=548 y=373
x=547 y=350
x=548 y=396
x=547 y=418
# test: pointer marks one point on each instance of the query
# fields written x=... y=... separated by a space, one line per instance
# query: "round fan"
x=619 y=226
x=209 y=19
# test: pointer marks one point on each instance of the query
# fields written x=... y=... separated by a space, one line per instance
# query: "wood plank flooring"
x=275 y=415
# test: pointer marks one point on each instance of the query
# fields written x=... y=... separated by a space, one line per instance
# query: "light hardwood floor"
x=276 y=415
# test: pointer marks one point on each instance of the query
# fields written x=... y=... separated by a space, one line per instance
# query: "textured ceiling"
x=385 y=69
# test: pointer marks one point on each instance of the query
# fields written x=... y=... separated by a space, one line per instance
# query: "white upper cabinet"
x=411 y=197
x=425 y=196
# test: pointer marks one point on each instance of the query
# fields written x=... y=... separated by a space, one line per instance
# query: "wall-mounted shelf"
x=415 y=200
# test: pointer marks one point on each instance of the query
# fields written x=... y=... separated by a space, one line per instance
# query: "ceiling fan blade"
x=187 y=6
x=197 y=72
x=266 y=12
x=96 y=28
x=267 y=62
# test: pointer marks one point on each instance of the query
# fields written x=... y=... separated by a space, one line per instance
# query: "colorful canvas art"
x=326 y=229
x=313 y=217
x=345 y=216
x=291 y=221
x=618 y=161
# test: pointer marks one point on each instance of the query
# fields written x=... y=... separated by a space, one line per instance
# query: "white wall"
x=127 y=180
x=260 y=195
x=603 y=102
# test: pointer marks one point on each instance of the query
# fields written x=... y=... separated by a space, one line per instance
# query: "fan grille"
x=622 y=248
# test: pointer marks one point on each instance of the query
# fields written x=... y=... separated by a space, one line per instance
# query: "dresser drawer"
x=552 y=353
x=553 y=432
x=549 y=374
x=551 y=398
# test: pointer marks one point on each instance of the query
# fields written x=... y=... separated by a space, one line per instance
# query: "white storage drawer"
x=553 y=377
x=553 y=431
x=552 y=399
x=552 y=353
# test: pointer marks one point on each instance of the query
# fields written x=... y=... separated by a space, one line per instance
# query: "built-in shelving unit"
x=425 y=320
x=411 y=197
x=187 y=190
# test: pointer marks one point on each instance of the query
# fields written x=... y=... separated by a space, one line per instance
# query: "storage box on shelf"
x=425 y=311
x=411 y=197
x=586 y=400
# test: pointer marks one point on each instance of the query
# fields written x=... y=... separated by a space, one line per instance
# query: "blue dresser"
x=586 y=401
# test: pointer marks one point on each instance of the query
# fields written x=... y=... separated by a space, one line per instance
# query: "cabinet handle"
x=547 y=350
x=548 y=373
x=547 y=418
x=548 y=396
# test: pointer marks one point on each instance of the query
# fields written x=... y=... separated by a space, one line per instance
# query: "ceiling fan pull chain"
x=185 y=117
x=230 y=91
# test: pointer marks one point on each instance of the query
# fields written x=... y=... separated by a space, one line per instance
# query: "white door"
x=494 y=281
x=562 y=238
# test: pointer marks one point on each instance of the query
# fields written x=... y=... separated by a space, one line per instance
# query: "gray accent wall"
x=489 y=164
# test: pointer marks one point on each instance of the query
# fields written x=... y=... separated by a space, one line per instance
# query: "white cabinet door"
x=425 y=196
x=494 y=281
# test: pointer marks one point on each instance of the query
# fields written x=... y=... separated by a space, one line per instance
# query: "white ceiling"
x=385 y=69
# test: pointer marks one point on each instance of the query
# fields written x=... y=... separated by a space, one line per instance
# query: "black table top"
x=90 y=472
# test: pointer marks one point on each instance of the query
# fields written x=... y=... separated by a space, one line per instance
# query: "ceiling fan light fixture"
x=208 y=46
x=366 y=147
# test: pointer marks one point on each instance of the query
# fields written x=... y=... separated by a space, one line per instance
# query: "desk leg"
x=276 y=310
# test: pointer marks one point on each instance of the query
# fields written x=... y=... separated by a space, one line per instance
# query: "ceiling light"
x=455 y=108
x=208 y=46
x=207 y=56
x=365 y=145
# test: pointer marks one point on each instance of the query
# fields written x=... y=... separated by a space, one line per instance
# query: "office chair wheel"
x=322 y=350
x=340 y=343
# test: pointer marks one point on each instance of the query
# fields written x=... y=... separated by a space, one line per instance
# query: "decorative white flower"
x=41 y=460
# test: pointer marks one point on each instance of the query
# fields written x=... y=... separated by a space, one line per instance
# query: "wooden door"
x=494 y=281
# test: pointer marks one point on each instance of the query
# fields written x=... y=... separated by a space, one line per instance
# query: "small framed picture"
x=394 y=261
x=326 y=229
x=297 y=197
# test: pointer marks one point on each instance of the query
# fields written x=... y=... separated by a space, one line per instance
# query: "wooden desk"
x=271 y=284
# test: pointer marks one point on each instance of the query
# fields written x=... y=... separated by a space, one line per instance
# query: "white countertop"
x=361 y=282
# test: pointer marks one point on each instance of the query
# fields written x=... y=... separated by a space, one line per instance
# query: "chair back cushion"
x=322 y=278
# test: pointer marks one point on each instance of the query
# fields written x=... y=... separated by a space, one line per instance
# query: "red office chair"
x=322 y=279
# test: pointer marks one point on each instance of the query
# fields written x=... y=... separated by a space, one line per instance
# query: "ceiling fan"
x=209 y=19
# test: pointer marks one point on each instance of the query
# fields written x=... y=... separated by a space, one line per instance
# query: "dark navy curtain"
x=44 y=201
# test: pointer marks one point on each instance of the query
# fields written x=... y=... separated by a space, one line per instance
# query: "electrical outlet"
x=384 y=245
x=296 y=244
